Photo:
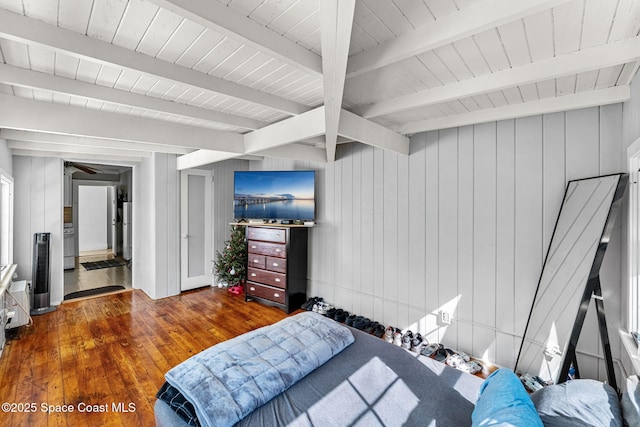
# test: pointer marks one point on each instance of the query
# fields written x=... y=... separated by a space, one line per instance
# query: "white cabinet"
x=68 y=190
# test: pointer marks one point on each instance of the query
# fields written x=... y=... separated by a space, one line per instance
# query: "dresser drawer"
x=275 y=264
x=266 y=292
x=267 y=234
x=268 y=277
x=257 y=261
x=265 y=248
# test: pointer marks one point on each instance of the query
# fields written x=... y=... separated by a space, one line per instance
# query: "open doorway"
x=97 y=229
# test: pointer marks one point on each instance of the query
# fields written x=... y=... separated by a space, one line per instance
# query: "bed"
x=334 y=375
x=369 y=382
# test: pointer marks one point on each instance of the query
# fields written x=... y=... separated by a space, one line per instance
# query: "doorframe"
x=187 y=283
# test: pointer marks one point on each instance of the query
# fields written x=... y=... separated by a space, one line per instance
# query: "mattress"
x=371 y=382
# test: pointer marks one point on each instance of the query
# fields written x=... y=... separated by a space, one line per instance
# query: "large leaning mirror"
x=570 y=278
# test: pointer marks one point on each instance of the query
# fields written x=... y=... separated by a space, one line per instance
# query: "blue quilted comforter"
x=231 y=379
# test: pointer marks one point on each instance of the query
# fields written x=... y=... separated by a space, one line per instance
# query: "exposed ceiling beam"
x=482 y=15
x=226 y=21
x=26 y=114
x=367 y=132
x=73 y=156
x=291 y=151
x=294 y=129
x=32 y=31
x=276 y=138
x=337 y=19
x=34 y=79
x=297 y=152
x=590 y=59
x=550 y=105
x=52 y=138
x=202 y=157
x=75 y=149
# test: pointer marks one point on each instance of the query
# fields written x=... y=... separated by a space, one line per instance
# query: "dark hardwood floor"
x=104 y=355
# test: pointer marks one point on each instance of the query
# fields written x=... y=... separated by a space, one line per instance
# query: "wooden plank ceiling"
x=216 y=79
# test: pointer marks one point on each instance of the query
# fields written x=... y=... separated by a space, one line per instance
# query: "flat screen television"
x=274 y=195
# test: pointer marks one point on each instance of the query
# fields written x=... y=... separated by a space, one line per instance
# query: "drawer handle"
x=278 y=250
x=276 y=295
x=252 y=288
x=253 y=274
x=256 y=260
x=275 y=264
x=278 y=279
x=254 y=247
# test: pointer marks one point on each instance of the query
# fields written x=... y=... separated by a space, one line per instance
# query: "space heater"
x=40 y=274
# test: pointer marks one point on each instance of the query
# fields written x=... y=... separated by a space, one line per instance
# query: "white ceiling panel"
x=539 y=33
x=164 y=26
x=193 y=71
x=135 y=24
x=105 y=19
x=567 y=26
x=74 y=15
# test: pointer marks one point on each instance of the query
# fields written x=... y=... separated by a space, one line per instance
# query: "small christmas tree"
x=230 y=264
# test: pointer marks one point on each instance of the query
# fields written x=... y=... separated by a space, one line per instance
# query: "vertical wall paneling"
x=403 y=230
x=390 y=227
x=22 y=239
x=612 y=149
x=553 y=172
x=162 y=224
x=468 y=214
x=330 y=224
x=38 y=181
x=528 y=215
x=484 y=239
x=417 y=224
x=506 y=344
x=144 y=236
x=346 y=261
x=448 y=229
x=432 y=236
x=38 y=208
x=355 y=237
x=583 y=143
x=466 y=150
x=173 y=225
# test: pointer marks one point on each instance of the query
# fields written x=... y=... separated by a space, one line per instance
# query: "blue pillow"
x=503 y=401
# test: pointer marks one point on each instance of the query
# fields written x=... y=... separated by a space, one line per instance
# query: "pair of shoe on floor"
x=460 y=361
x=362 y=323
x=317 y=305
x=355 y=321
x=407 y=340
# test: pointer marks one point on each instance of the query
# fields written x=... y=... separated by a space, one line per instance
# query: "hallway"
x=80 y=279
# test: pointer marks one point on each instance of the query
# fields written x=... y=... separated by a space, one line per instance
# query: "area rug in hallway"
x=95 y=265
x=91 y=292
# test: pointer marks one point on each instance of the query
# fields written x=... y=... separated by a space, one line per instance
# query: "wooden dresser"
x=277 y=265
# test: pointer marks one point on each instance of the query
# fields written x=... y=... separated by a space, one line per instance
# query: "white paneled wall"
x=462 y=224
x=38 y=208
x=222 y=200
x=156 y=213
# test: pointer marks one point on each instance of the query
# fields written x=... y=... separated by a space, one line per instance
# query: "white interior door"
x=195 y=229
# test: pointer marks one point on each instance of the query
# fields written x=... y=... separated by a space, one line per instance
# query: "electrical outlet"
x=445 y=318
